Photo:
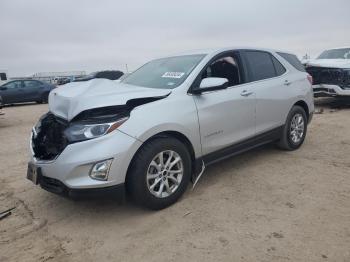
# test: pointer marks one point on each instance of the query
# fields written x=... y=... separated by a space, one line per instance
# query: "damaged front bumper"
x=330 y=81
x=55 y=186
x=321 y=90
x=69 y=173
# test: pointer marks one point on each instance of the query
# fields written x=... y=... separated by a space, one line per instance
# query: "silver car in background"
x=157 y=129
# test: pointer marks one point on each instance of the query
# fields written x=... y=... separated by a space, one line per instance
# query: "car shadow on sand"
x=126 y=207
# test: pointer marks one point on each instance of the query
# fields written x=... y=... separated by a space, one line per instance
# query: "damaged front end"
x=48 y=139
x=52 y=134
x=330 y=76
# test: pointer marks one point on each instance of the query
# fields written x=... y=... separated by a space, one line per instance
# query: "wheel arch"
x=304 y=105
x=168 y=133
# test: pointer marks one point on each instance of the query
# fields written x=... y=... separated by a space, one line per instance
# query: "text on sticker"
x=173 y=74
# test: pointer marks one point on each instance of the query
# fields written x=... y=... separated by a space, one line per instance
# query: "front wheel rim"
x=297 y=128
x=165 y=173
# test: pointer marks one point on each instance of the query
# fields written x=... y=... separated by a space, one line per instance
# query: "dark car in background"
x=20 y=91
x=1 y=113
x=111 y=75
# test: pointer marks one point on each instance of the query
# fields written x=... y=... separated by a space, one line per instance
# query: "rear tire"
x=45 y=98
x=159 y=173
x=294 y=130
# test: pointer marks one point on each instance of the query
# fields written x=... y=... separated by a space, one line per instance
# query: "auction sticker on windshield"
x=173 y=74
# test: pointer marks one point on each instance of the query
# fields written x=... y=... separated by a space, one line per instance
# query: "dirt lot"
x=265 y=205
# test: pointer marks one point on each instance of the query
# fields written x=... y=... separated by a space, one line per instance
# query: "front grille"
x=48 y=139
x=330 y=76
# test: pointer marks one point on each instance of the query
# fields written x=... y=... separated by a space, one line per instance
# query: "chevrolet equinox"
x=156 y=130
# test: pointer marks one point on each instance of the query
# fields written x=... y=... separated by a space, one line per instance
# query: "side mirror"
x=3 y=88
x=211 y=84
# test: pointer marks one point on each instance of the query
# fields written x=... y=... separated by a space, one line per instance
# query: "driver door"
x=31 y=90
x=227 y=116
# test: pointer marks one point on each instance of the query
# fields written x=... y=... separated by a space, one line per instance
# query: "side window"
x=224 y=67
x=280 y=70
x=293 y=60
x=30 y=83
x=13 y=85
x=260 y=64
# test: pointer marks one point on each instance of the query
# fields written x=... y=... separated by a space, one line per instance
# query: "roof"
x=223 y=49
x=340 y=47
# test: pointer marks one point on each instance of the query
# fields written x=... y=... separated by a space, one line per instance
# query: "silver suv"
x=157 y=129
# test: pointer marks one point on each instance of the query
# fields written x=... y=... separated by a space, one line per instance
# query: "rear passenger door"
x=267 y=77
x=32 y=90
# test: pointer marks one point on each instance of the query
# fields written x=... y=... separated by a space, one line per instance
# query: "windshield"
x=342 y=53
x=164 y=73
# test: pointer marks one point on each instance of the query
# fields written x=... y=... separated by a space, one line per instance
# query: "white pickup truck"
x=331 y=72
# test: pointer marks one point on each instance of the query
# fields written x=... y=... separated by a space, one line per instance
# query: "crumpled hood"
x=71 y=99
x=331 y=63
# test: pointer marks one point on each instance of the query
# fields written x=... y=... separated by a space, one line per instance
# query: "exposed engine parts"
x=48 y=139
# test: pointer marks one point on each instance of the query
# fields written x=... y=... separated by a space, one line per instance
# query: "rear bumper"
x=329 y=90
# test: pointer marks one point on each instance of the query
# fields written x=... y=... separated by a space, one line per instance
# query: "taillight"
x=309 y=77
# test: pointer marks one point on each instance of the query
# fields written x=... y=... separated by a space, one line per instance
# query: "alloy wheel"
x=165 y=173
x=297 y=128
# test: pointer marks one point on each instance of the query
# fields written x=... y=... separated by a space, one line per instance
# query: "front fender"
x=174 y=113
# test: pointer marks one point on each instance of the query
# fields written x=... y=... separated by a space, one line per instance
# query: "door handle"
x=246 y=93
x=287 y=83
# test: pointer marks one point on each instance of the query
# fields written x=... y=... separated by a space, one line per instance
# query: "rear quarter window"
x=260 y=64
x=293 y=60
x=280 y=70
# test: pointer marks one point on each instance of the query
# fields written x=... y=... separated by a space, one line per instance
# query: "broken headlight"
x=82 y=131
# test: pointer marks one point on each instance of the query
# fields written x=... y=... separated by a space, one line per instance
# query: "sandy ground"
x=265 y=205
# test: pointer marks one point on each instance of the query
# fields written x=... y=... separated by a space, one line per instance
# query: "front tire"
x=159 y=173
x=294 y=130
